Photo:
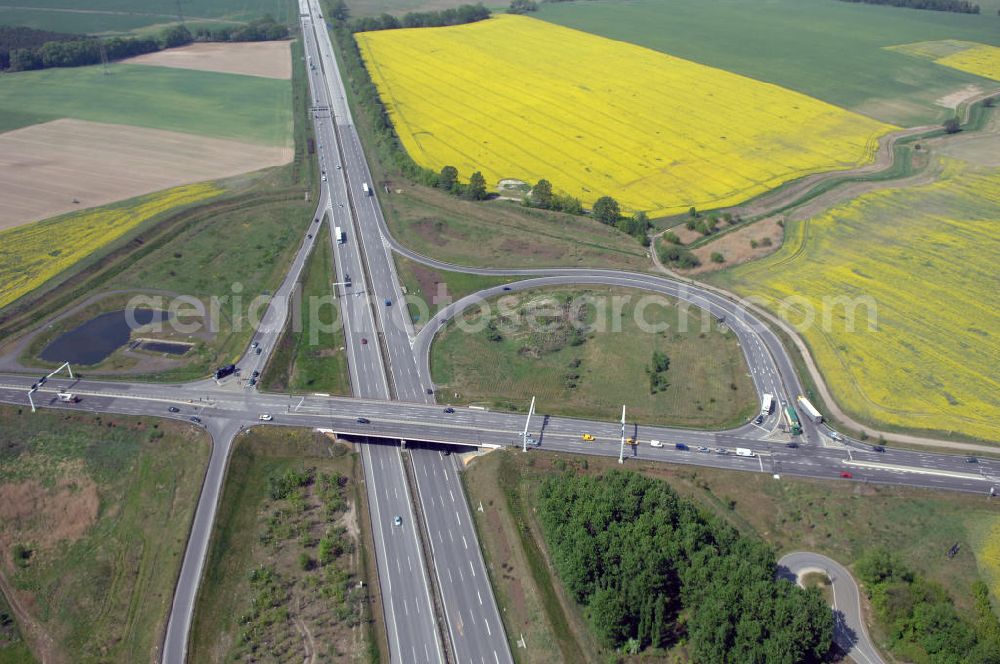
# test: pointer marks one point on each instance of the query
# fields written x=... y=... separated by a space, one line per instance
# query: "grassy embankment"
x=287 y=554
x=839 y=519
x=191 y=251
x=833 y=51
x=309 y=358
x=438 y=288
x=593 y=371
x=95 y=515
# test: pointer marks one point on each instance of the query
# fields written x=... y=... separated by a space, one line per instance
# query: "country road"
x=849 y=630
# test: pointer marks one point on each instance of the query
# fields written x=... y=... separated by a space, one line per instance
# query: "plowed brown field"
x=44 y=168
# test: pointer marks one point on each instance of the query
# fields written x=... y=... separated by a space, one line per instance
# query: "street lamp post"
x=621 y=452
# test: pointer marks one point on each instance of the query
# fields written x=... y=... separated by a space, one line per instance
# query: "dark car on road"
x=174 y=409
x=449 y=409
x=363 y=420
x=196 y=420
x=878 y=448
x=792 y=446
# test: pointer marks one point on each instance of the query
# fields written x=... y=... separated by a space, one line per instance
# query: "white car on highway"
x=265 y=417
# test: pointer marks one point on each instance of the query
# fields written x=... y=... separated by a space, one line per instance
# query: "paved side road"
x=849 y=631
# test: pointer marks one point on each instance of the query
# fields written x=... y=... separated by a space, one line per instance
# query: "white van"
x=745 y=452
x=655 y=443
x=265 y=417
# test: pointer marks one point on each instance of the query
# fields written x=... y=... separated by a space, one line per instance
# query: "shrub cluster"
x=920 y=618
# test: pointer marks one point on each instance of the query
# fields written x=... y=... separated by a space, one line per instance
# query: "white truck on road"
x=745 y=452
x=365 y=188
x=810 y=410
x=766 y=404
x=66 y=397
x=338 y=232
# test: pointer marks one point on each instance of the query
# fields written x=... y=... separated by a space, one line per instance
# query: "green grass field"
x=96 y=510
x=284 y=536
x=500 y=234
x=244 y=108
x=829 y=50
x=115 y=16
x=918 y=263
x=437 y=288
x=309 y=357
x=838 y=519
x=591 y=374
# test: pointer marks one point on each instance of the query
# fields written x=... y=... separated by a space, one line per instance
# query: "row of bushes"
x=436 y=19
x=77 y=52
x=957 y=6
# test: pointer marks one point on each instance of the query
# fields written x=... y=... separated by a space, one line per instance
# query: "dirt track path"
x=779 y=199
x=40 y=642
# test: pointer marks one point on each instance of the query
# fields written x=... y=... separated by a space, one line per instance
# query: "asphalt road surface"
x=849 y=631
x=413 y=633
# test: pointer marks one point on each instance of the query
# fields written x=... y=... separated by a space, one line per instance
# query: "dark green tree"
x=448 y=178
x=340 y=11
x=541 y=195
x=606 y=210
x=476 y=189
x=952 y=126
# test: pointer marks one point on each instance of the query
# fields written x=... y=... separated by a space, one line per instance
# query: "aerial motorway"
x=438 y=602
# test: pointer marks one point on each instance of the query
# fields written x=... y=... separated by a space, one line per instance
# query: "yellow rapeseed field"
x=926 y=258
x=987 y=550
x=31 y=255
x=981 y=60
x=972 y=57
x=515 y=97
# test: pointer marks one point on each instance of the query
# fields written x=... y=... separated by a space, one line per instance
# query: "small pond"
x=170 y=347
x=95 y=340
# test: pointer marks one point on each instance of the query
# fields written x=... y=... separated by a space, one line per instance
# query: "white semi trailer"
x=810 y=410
x=766 y=404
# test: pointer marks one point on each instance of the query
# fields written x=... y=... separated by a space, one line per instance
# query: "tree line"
x=651 y=568
x=920 y=618
x=435 y=19
x=261 y=29
x=76 y=51
x=957 y=6
x=386 y=142
x=14 y=37
x=606 y=210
